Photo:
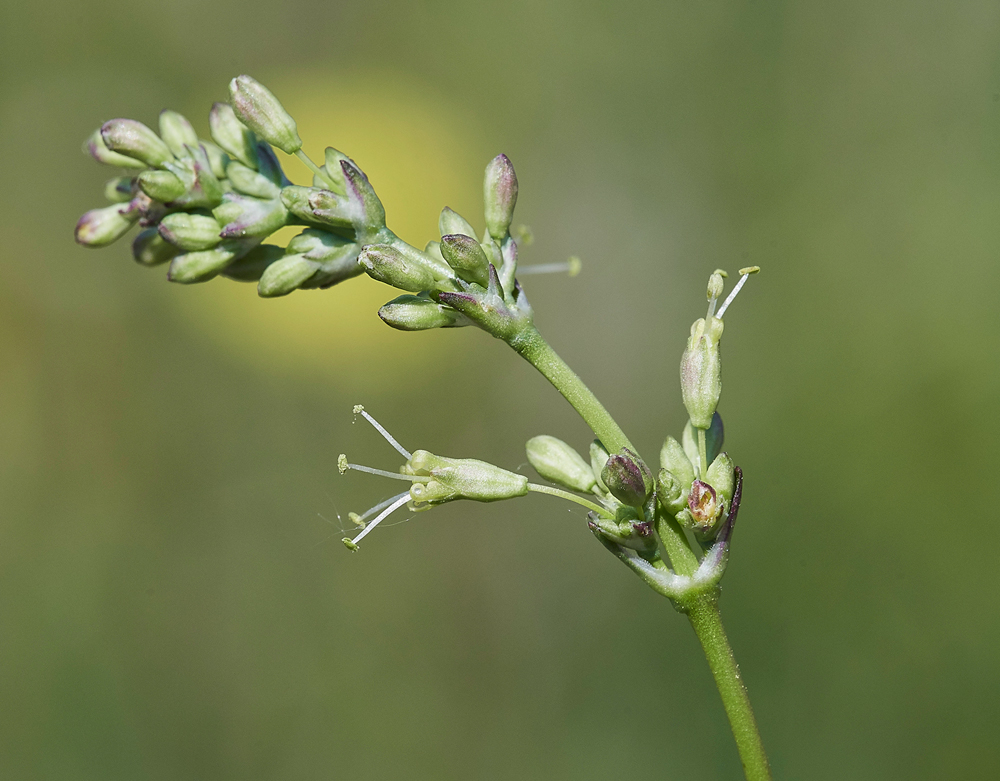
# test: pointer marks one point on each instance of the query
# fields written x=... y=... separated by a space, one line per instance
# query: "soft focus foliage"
x=172 y=604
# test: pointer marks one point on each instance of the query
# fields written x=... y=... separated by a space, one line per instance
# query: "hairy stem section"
x=703 y=613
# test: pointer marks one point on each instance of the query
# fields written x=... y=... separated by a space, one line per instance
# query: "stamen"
x=571 y=267
x=358 y=409
x=396 y=503
x=383 y=473
x=745 y=273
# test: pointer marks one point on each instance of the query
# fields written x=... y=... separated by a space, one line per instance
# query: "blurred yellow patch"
x=418 y=153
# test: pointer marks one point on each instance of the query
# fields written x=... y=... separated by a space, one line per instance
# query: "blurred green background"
x=174 y=600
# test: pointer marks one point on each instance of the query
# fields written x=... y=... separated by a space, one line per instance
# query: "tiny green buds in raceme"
x=260 y=111
x=500 y=196
x=207 y=208
x=558 y=463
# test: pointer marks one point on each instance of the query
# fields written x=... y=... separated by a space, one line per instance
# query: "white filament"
x=388 y=437
x=732 y=295
x=397 y=502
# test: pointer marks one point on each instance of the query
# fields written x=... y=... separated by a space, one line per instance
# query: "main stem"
x=530 y=345
x=703 y=610
x=704 y=615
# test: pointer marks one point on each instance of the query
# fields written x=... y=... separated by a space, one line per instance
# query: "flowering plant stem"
x=707 y=623
x=530 y=345
x=703 y=609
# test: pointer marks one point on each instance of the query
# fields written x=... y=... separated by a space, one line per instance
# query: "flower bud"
x=704 y=510
x=676 y=461
x=368 y=209
x=101 y=227
x=464 y=254
x=263 y=113
x=722 y=477
x=133 y=139
x=701 y=371
x=452 y=223
x=244 y=217
x=316 y=205
x=176 y=132
x=628 y=478
x=202 y=266
x=387 y=264
x=713 y=441
x=232 y=135
x=150 y=249
x=99 y=151
x=251 y=267
x=671 y=492
x=499 y=196
x=460 y=478
x=598 y=458
x=333 y=171
x=558 y=463
x=249 y=182
x=268 y=165
x=162 y=186
x=285 y=275
x=628 y=528
x=119 y=189
x=418 y=313
x=190 y=232
x=217 y=159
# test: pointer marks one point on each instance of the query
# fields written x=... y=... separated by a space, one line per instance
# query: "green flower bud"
x=101 y=227
x=701 y=371
x=249 y=182
x=500 y=196
x=162 y=186
x=204 y=190
x=464 y=254
x=263 y=113
x=133 y=139
x=150 y=249
x=120 y=189
x=334 y=172
x=451 y=223
x=558 y=463
x=714 y=437
x=251 y=267
x=268 y=165
x=243 y=217
x=190 y=232
x=598 y=459
x=628 y=528
x=387 y=264
x=418 y=313
x=217 y=159
x=232 y=135
x=97 y=149
x=671 y=491
x=676 y=461
x=722 y=477
x=628 y=478
x=201 y=266
x=367 y=208
x=285 y=275
x=460 y=478
x=176 y=132
x=315 y=205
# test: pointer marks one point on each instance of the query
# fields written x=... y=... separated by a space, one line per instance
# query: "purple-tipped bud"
x=285 y=275
x=263 y=113
x=244 y=217
x=499 y=196
x=162 y=186
x=464 y=254
x=628 y=478
x=101 y=227
x=389 y=265
x=418 y=313
x=451 y=222
x=133 y=139
x=190 y=232
x=97 y=149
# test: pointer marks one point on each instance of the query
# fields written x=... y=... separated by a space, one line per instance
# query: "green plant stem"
x=703 y=611
x=313 y=167
x=529 y=344
x=545 y=489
